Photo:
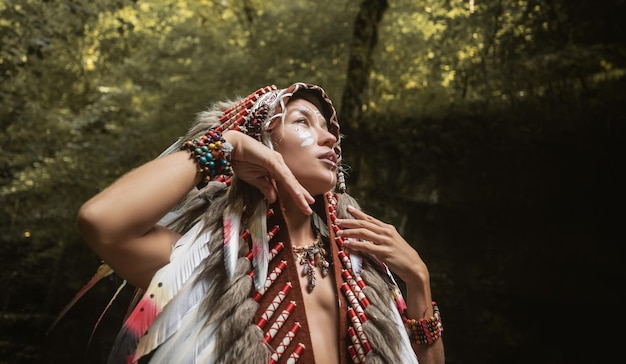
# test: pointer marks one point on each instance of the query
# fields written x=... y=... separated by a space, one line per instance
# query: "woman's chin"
x=320 y=187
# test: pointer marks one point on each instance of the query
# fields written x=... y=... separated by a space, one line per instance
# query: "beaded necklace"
x=311 y=256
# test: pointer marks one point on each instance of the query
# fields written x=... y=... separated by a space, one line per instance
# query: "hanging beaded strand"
x=360 y=342
x=311 y=256
x=239 y=117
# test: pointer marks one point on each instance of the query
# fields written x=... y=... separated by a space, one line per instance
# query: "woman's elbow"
x=90 y=222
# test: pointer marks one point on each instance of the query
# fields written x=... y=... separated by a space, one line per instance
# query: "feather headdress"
x=259 y=113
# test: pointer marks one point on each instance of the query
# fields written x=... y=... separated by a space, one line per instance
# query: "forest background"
x=488 y=132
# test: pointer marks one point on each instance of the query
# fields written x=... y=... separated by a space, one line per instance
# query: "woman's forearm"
x=134 y=203
x=419 y=305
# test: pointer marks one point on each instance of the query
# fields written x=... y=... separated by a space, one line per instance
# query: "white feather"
x=169 y=320
x=206 y=347
x=169 y=217
x=170 y=348
x=357 y=263
x=232 y=234
x=407 y=353
x=187 y=254
x=186 y=344
x=172 y=148
x=190 y=250
x=202 y=348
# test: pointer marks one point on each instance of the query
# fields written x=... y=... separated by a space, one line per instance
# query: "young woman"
x=250 y=250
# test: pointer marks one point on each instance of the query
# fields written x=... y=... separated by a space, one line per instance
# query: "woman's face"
x=307 y=146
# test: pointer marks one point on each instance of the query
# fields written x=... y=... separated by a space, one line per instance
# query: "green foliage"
x=437 y=54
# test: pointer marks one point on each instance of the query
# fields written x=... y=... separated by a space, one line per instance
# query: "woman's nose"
x=327 y=138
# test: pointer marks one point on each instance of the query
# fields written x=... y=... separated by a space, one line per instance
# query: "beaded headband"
x=260 y=111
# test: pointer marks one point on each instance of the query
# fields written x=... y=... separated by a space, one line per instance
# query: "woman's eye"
x=302 y=121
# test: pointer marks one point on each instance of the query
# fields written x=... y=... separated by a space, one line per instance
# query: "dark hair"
x=314 y=98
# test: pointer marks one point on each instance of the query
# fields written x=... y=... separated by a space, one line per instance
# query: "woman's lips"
x=329 y=158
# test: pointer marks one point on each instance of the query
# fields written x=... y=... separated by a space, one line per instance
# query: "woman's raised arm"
x=119 y=223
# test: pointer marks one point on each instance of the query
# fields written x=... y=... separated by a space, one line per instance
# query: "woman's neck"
x=299 y=225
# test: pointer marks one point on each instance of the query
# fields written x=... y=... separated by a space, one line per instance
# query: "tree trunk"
x=364 y=39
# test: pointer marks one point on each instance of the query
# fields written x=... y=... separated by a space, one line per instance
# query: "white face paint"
x=305 y=144
x=305 y=135
x=306 y=138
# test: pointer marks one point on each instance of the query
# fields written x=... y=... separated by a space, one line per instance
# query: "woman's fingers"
x=280 y=173
x=363 y=226
x=364 y=246
x=360 y=234
x=260 y=166
x=369 y=234
x=266 y=187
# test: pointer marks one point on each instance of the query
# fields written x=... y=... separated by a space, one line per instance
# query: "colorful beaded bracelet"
x=425 y=330
x=212 y=153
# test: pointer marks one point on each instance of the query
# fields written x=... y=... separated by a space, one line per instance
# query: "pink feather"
x=103 y=271
x=260 y=244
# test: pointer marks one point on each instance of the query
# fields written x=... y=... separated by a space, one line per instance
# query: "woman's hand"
x=384 y=241
x=366 y=234
x=262 y=167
